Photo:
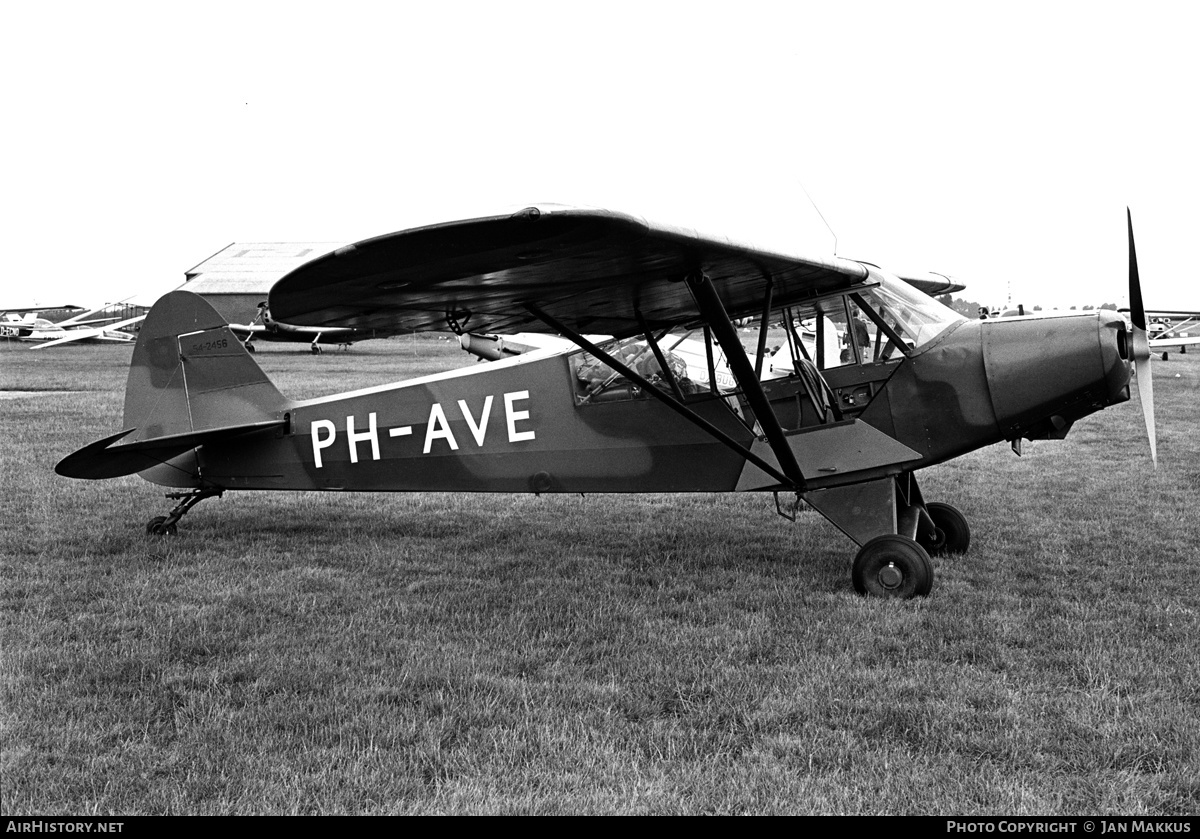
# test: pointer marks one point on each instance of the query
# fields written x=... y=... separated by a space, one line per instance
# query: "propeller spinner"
x=1141 y=343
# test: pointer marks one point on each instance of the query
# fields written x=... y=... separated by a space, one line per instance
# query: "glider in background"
x=49 y=333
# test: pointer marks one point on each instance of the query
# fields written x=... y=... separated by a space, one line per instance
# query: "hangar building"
x=237 y=278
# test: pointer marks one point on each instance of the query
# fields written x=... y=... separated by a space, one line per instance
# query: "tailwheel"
x=159 y=526
x=167 y=525
x=892 y=566
x=949 y=533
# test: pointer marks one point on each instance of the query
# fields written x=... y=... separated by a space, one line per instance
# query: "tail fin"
x=190 y=373
x=190 y=381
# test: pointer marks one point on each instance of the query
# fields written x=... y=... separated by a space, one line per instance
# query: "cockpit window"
x=913 y=317
x=687 y=365
x=878 y=324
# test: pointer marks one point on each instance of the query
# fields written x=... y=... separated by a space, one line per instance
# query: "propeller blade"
x=1141 y=343
x=1146 y=392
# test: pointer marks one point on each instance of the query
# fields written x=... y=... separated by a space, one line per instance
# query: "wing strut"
x=713 y=312
x=678 y=407
x=658 y=355
x=762 y=331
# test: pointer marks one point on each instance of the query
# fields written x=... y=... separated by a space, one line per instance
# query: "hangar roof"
x=252 y=267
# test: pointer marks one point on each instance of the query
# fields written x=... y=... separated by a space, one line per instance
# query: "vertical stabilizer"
x=190 y=373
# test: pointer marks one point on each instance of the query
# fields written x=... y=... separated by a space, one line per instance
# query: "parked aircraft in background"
x=110 y=333
x=846 y=428
x=272 y=330
x=81 y=327
x=23 y=321
x=1173 y=331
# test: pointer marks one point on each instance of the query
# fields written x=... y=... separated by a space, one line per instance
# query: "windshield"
x=914 y=316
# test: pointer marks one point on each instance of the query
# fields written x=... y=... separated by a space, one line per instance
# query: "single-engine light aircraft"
x=890 y=382
x=272 y=330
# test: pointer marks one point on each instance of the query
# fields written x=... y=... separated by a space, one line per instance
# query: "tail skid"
x=190 y=382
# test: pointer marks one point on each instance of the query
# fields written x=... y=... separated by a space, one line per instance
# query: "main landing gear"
x=166 y=525
x=898 y=565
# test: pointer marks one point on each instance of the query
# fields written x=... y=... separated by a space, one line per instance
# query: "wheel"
x=158 y=526
x=952 y=534
x=892 y=566
x=249 y=347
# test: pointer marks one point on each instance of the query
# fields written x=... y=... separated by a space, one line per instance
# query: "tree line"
x=971 y=309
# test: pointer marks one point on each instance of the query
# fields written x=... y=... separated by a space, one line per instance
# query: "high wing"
x=593 y=271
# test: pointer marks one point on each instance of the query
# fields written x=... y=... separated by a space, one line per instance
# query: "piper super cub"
x=886 y=383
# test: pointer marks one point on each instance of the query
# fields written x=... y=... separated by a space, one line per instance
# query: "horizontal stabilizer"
x=108 y=458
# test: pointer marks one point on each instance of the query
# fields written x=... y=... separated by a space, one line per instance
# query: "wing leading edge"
x=593 y=270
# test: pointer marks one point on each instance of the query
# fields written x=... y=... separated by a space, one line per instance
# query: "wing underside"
x=592 y=270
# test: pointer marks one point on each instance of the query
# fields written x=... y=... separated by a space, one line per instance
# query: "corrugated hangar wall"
x=237 y=278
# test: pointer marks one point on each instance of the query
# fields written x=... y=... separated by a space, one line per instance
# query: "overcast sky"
x=998 y=143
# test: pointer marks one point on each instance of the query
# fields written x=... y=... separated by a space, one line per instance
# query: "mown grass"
x=437 y=653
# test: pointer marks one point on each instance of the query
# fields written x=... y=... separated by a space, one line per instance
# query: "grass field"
x=666 y=654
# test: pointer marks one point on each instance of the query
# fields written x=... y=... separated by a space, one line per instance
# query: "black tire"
x=158 y=526
x=892 y=566
x=952 y=534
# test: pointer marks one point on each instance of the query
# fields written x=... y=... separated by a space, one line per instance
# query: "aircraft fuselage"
x=521 y=424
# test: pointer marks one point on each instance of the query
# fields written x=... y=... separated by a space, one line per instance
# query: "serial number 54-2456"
x=206 y=346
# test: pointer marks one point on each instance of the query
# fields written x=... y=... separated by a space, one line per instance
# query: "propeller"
x=1141 y=343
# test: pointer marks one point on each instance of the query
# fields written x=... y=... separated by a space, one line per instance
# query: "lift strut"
x=713 y=312
x=680 y=408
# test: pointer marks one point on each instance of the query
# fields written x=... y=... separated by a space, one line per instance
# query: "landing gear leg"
x=166 y=525
x=898 y=533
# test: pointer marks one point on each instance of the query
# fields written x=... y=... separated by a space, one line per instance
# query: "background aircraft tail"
x=190 y=382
